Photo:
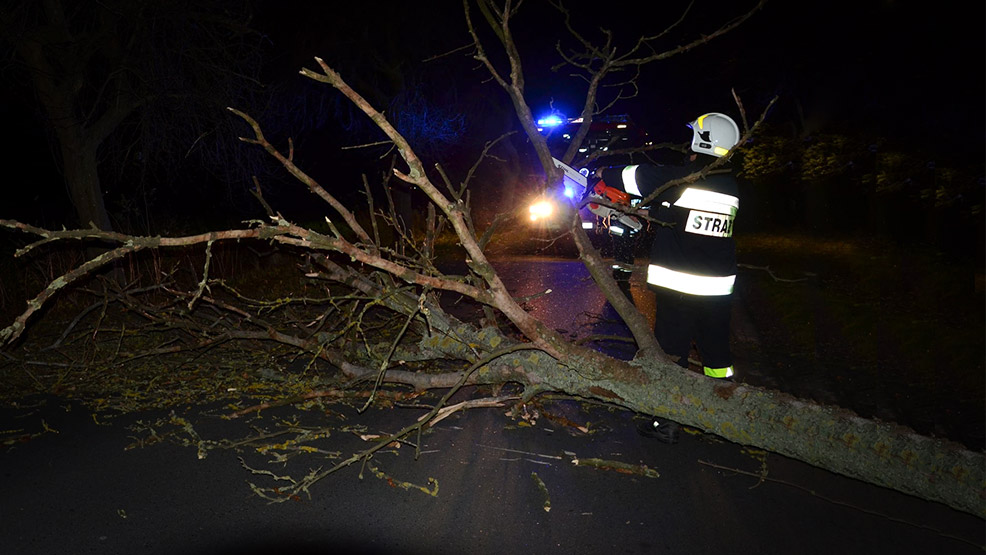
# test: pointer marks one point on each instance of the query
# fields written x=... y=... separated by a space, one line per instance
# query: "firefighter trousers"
x=682 y=319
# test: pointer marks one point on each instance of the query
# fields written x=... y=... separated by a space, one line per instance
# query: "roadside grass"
x=915 y=298
x=904 y=321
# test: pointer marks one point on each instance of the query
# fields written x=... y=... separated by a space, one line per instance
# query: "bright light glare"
x=569 y=192
x=550 y=121
x=540 y=209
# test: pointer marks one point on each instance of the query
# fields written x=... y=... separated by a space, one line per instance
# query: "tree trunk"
x=82 y=180
x=829 y=437
x=58 y=78
x=833 y=438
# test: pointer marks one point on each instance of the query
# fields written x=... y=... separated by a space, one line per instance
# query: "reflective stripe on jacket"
x=691 y=284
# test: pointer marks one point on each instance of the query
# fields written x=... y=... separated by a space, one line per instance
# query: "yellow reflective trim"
x=699 y=120
x=720 y=151
x=718 y=372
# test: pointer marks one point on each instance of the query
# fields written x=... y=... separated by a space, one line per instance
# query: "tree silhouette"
x=131 y=92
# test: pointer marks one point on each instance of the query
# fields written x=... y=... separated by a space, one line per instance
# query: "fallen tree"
x=513 y=346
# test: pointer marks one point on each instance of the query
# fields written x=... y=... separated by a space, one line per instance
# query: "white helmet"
x=714 y=134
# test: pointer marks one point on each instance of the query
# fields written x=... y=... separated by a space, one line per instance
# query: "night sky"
x=892 y=69
x=895 y=69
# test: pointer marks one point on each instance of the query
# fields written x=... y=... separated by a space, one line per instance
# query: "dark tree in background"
x=408 y=70
x=131 y=94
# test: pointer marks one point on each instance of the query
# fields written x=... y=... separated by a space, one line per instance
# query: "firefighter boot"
x=665 y=431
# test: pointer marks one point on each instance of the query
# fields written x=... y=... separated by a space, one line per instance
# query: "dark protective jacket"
x=697 y=254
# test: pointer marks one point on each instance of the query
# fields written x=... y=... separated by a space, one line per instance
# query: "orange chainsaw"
x=600 y=191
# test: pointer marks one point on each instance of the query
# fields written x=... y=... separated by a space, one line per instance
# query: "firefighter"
x=692 y=265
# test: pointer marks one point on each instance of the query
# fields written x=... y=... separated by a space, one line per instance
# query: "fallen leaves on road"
x=544 y=490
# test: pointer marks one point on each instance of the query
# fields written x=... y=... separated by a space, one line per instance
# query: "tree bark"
x=82 y=180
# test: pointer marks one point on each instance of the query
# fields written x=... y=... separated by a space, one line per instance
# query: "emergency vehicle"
x=605 y=133
x=611 y=230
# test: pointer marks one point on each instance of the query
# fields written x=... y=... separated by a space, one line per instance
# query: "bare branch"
x=288 y=163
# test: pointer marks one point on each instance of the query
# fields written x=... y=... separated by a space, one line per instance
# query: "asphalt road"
x=83 y=491
x=503 y=484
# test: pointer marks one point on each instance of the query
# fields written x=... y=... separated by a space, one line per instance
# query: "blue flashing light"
x=550 y=121
x=569 y=192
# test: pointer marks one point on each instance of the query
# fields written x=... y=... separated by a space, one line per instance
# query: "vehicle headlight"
x=541 y=209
